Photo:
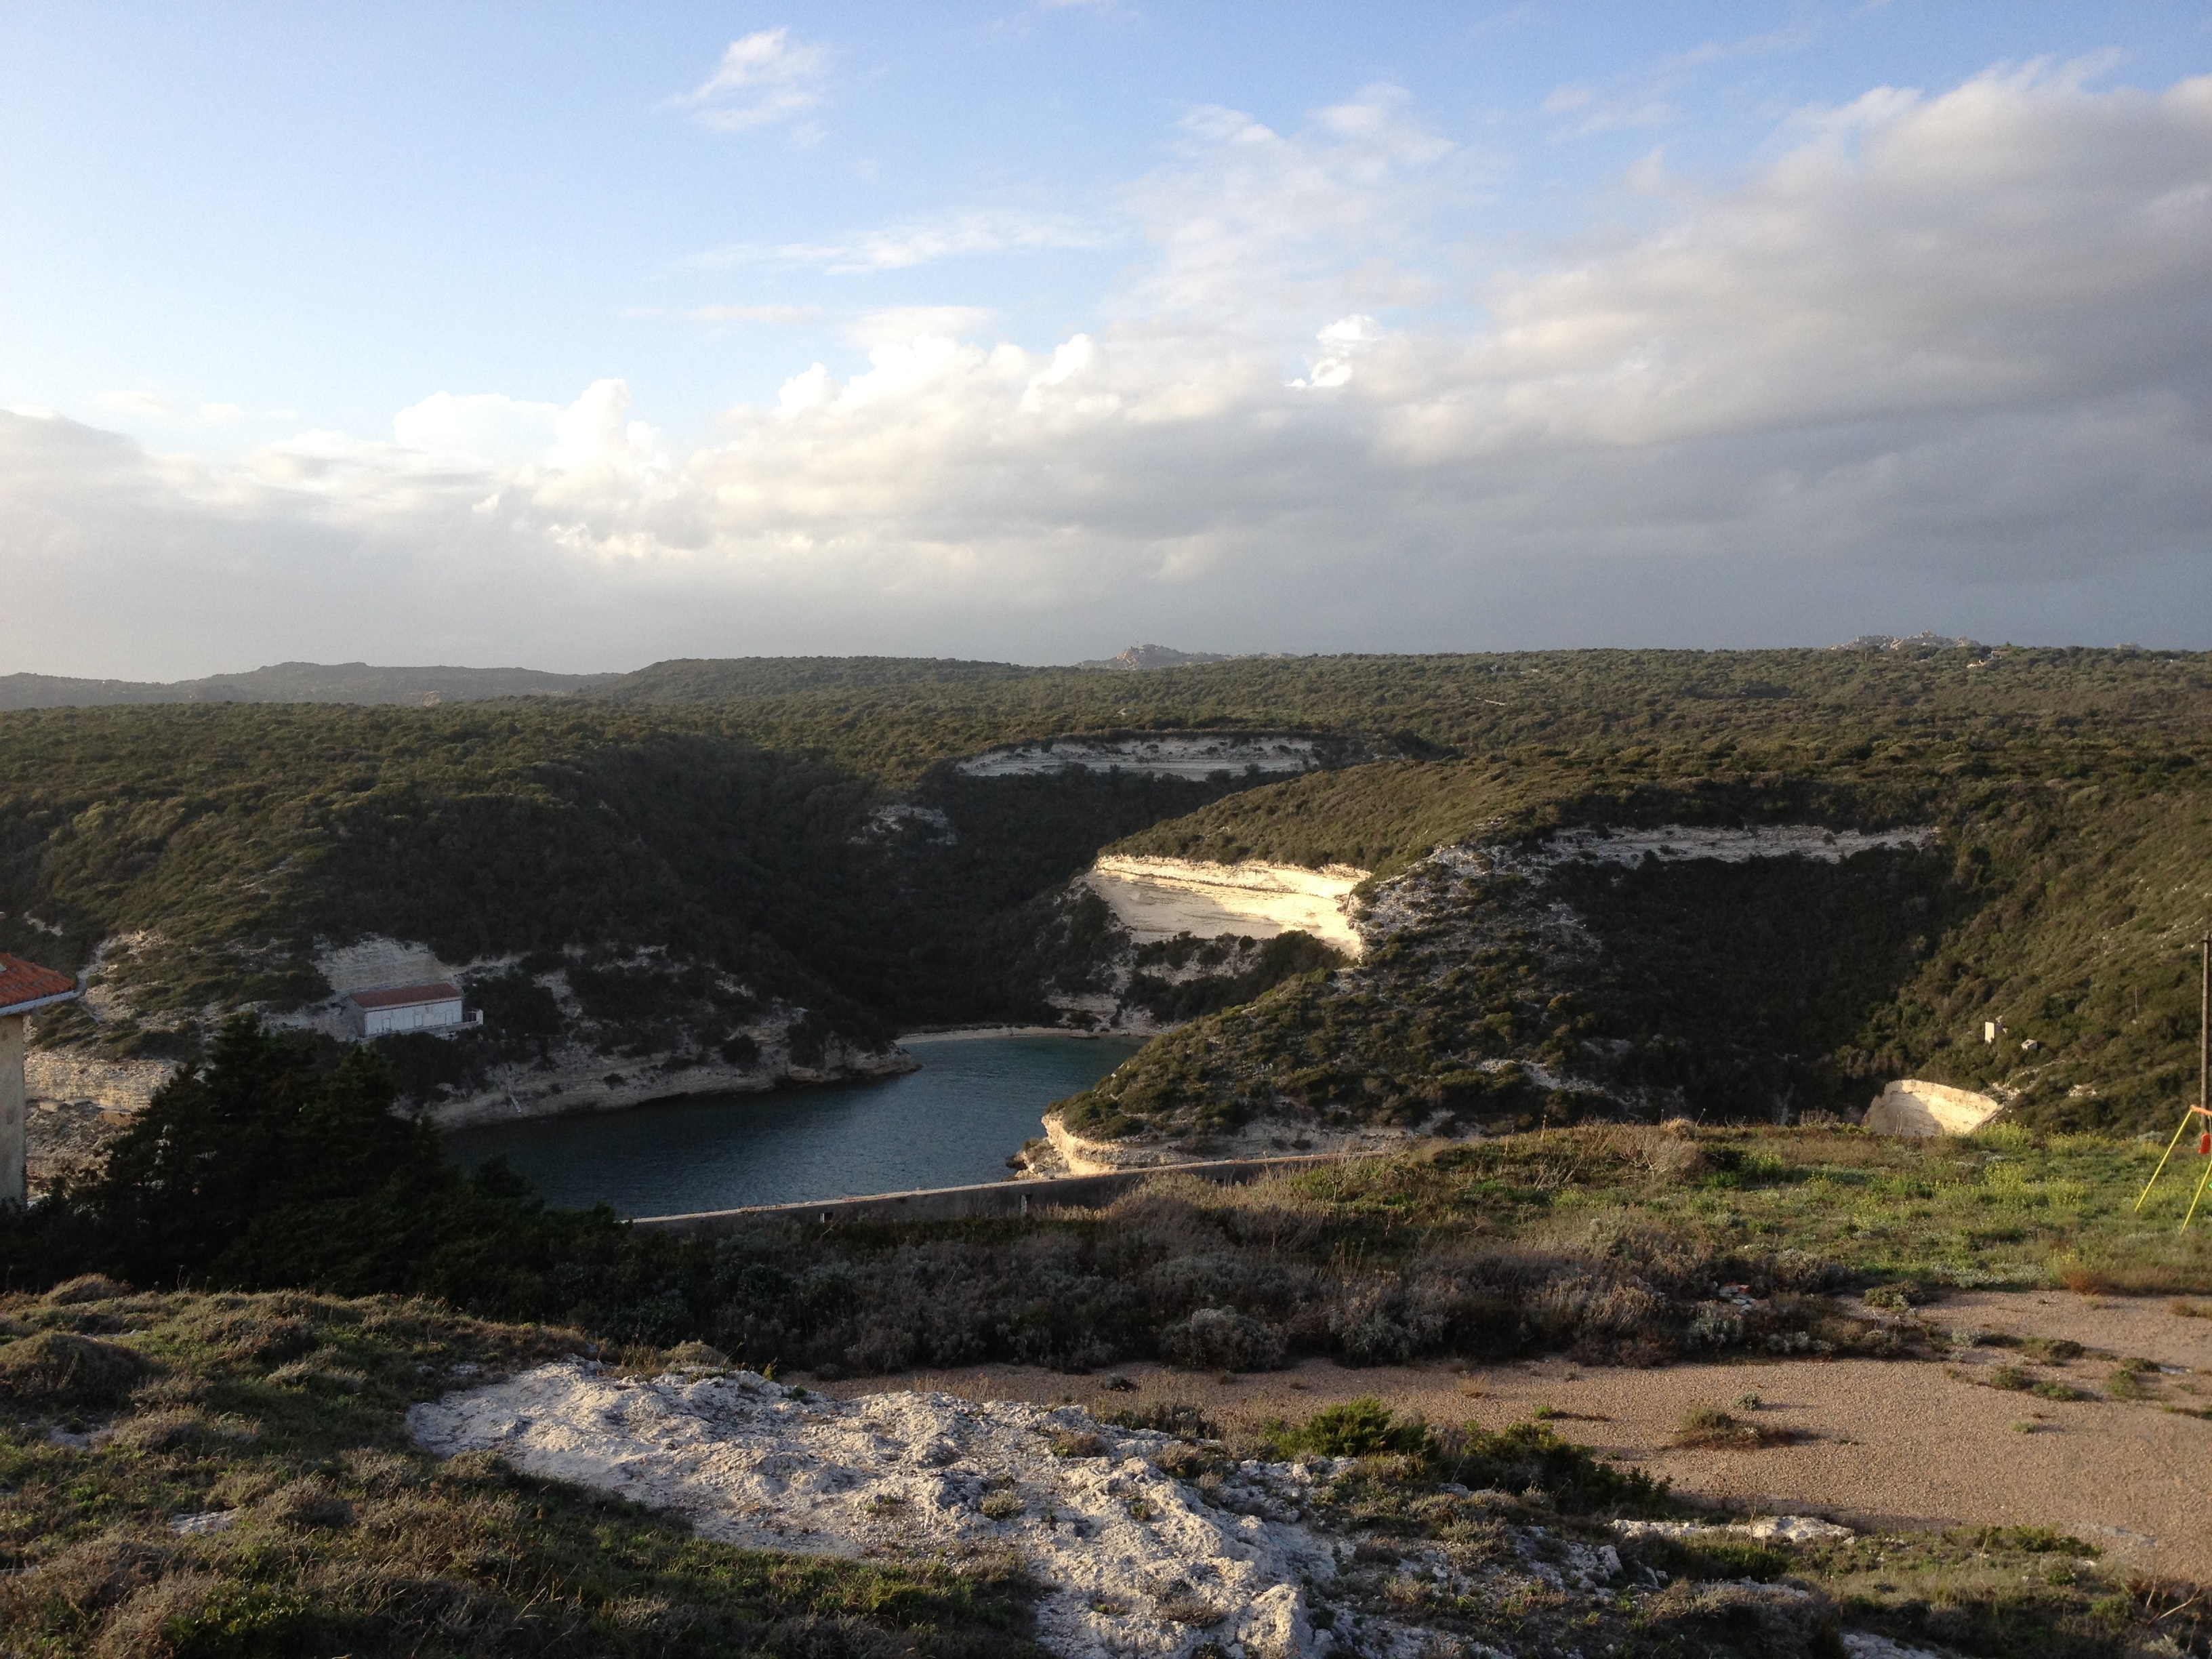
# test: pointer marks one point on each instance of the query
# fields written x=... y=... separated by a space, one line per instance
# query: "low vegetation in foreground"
x=198 y=1475
x=218 y=1476
x=261 y=1170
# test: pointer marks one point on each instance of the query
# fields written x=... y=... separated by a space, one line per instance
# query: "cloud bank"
x=1939 y=360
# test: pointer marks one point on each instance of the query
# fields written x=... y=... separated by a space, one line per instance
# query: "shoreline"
x=964 y=1033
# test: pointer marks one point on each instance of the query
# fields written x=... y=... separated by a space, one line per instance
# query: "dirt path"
x=1887 y=1444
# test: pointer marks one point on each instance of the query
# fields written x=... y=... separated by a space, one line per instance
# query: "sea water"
x=974 y=1101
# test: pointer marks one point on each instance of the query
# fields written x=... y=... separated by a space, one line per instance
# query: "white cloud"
x=920 y=242
x=138 y=402
x=897 y=325
x=790 y=316
x=762 y=78
x=1943 y=359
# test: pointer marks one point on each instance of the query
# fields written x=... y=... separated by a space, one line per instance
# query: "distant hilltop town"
x=1923 y=640
x=1166 y=656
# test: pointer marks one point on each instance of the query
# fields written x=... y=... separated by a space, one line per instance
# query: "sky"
x=582 y=337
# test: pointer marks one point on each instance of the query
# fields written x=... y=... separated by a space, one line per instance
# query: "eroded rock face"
x=1920 y=1109
x=1157 y=898
x=1134 y=1561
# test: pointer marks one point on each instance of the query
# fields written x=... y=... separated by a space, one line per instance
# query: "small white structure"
x=1912 y=1107
x=410 y=1008
x=25 y=988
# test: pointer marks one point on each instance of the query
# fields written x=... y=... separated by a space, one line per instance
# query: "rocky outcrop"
x=1062 y=1152
x=1158 y=898
x=1921 y=1110
x=574 y=1078
x=1184 y=755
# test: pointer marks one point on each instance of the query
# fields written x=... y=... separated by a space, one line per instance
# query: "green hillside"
x=719 y=814
x=2069 y=878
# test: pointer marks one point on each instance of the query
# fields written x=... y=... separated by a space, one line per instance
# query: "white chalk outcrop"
x=1670 y=841
x=1134 y=1561
x=1065 y=1152
x=1195 y=756
x=1157 y=898
x=1919 y=1109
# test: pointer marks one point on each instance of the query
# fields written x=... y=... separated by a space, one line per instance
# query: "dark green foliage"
x=266 y=1167
x=1356 y=1428
x=1238 y=970
x=721 y=814
x=1525 y=1457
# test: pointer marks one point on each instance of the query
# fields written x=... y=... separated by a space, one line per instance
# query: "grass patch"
x=341 y=1537
x=1710 y=1429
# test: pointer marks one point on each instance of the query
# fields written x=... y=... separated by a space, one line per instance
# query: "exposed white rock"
x=1672 y=842
x=1134 y=1561
x=902 y=816
x=1912 y=1107
x=80 y=1079
x=1067 y=1152
x=1789 y=1528
x=1157 y=898
x=370 y=963
x=1191 y=756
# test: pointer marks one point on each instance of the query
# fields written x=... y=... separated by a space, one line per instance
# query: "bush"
x=57 y=1370
x=1221 y=1339
x=1356 y=1428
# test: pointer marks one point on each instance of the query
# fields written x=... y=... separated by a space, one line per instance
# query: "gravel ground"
x=1882 y=1444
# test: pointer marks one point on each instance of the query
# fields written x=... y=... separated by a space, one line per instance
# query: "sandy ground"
x=1888 y=1444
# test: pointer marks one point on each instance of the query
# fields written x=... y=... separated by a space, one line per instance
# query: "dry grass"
x=342 y=1538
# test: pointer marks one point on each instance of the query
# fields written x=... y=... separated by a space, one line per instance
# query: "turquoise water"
x=974 y=1101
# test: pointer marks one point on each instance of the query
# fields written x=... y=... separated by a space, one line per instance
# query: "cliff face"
x=1640 y=970
x=585 y=1030
x=573 y=1077
x=1160 y=898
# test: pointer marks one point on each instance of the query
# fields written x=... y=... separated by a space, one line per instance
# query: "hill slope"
x=298 y=682
x=755 y=865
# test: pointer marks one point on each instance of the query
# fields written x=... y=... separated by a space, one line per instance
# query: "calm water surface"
x=972 y=1102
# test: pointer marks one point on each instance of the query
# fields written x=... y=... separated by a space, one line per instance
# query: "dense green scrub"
x=213 y=848
x=721 y=814
x=2063 y=896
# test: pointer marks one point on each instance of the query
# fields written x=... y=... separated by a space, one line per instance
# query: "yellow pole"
x=2187 y=1112
x=2199 y=1198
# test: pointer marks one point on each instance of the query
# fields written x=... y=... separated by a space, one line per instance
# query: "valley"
x=1360 y=900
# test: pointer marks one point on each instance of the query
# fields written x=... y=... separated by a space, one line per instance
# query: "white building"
x=410 y=1008
x=25 y=988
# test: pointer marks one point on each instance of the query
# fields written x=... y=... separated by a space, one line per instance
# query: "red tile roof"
x=406 y=996
x=23 y=981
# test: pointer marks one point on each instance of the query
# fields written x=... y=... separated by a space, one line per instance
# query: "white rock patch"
x=1170 y=756
x=1673 y=841
x=1790 y=1528
x=1157 y=898
x=1134 y=1561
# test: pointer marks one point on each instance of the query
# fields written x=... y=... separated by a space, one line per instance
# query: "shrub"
x=1221 y=1339
x=1708 y=1427
x=1356 y=1428
x=85 y=1287
x=57 y=1371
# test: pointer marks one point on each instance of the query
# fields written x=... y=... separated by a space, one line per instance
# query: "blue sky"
x=583 y=336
